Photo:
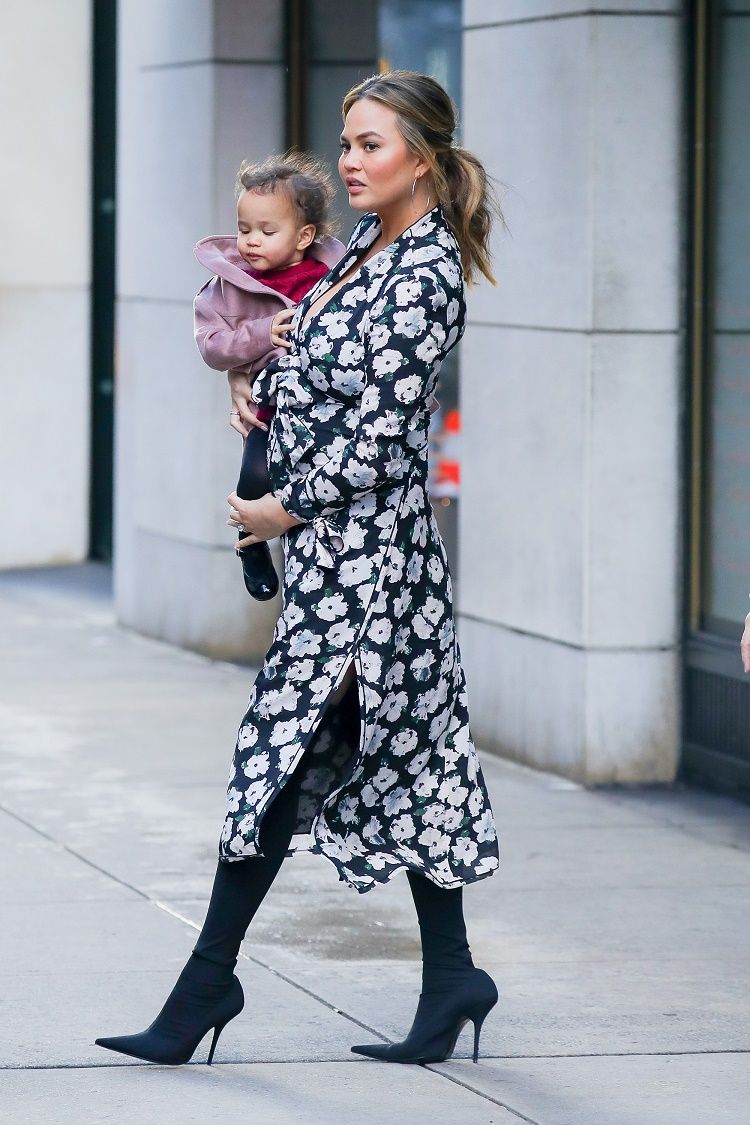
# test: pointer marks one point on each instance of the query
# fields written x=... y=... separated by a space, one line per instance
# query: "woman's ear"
x=306 y=236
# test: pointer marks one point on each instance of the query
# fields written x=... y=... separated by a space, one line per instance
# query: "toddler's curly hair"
x=304 y=180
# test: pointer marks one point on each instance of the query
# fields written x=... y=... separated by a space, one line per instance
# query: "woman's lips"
x=354 y=186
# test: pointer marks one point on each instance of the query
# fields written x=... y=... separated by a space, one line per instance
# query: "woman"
x=357 y=734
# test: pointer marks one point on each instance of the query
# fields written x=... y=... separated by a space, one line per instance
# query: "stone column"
x=45 y=88
x=201 y=86
x=571 y=375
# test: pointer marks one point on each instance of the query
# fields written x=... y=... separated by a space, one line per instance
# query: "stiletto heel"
x=438 y=1023
x=217 y=1032
x=478 y=1021
x=191 y=1010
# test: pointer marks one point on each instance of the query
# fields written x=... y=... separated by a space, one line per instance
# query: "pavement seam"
x=481 y=1093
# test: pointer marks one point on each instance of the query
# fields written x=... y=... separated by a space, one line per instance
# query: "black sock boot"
x=454 y=992
x=207 y=993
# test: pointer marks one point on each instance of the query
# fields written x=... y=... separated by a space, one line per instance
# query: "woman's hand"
x=281 y=327
x=242 y=415
x=745 y=645
x=263 y=519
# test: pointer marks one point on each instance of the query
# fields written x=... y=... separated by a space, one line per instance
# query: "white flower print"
x=386 y=361
x=421 y=666
x=305 y=643
x=380 y=630
x=422 y=626
x=384 y=778
x=257 y=765
x=255 y=791
x=311 y=580
x=402 y=603
x=424 y=784
x=433 y=609
x=435 y=569
x=485 y=827
x=370 y=795
x=350 y=353
x=414 y=569
x=348 y=382
x=465 y=850
x=331 y=607
x=372 y=665
x=427 y=349
x=335 y=324
x=248 y=736
x=404 y=742
x=348 y=809
x=434 y=840
x=391 y=777
x=402 y=828
x=277 y=700
x=284 y=732
x=410 y=323
x=340 y=634
x=406 y=292
x=355 y=570
x=408 y=389
x=398 y=800
x=394 y=705
x=301 y=670
x=370 y=401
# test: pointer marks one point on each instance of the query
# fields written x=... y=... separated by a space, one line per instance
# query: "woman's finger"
x=247 y=541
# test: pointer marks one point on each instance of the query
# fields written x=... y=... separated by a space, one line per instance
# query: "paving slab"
x=280 y=1094
x=703 y=1089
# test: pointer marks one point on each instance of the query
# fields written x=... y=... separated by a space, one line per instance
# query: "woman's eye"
x=370 y=146
x=343 y=145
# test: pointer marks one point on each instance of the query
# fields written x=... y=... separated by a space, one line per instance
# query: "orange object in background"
x=447 y=473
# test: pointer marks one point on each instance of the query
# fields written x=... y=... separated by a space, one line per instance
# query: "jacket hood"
x=219 y=254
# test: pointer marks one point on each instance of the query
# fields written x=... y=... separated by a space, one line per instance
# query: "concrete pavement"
x=618 y=929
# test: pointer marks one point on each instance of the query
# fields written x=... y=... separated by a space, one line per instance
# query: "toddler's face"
x=269 y=236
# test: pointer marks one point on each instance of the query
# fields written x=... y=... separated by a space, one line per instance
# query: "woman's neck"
x=394 y=222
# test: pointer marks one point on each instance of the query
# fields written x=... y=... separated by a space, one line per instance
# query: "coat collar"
x=220 y=255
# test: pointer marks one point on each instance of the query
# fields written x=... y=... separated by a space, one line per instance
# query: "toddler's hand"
x=243 y=413
x=280 y=325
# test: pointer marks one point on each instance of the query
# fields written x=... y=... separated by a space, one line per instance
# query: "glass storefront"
x=717 y=732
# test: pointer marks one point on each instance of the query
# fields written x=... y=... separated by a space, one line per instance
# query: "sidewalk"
x=618 y=930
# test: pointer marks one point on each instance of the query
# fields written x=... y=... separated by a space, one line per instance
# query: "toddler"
x=242 y=315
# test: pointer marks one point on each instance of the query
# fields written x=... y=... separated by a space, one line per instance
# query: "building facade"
x=599 y=530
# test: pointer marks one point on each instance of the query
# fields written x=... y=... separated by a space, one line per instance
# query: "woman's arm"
x=413 y=323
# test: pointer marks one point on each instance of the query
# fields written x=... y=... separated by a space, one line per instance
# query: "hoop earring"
x=413 y=189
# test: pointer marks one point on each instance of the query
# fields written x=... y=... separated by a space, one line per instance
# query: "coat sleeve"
x=412 y=325
x=237 y=344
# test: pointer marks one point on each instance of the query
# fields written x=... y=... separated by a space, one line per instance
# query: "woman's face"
x=376 y=165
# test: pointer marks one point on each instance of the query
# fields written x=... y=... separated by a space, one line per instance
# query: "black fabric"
x=446 y=958
x=239 y=889
x=254 y=481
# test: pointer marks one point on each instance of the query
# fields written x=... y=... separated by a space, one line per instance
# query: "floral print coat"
x=366 y=581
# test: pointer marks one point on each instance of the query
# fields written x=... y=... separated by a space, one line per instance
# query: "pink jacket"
x=233 y=311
